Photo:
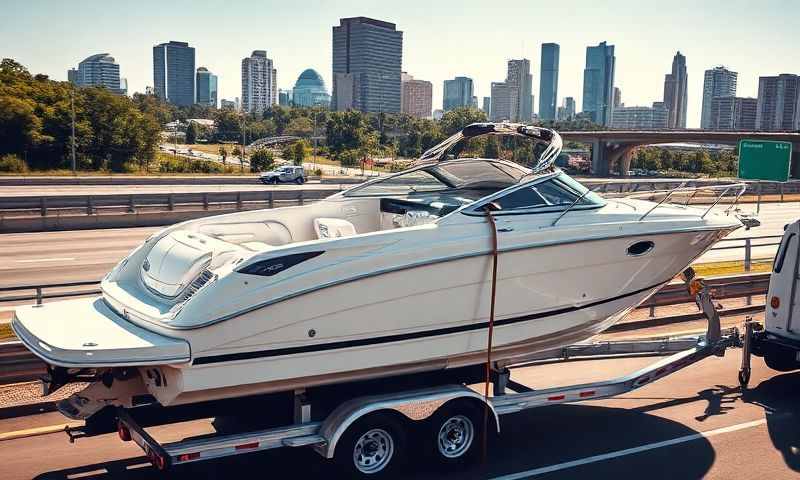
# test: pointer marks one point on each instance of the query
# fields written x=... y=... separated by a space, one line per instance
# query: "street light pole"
x=72 y=107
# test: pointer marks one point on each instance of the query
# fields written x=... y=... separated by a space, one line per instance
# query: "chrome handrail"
x=570 y=207
x=662 y=200
x=680 y=188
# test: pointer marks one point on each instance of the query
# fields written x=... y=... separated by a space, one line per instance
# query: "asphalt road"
x=695 y=423
x=62 y=190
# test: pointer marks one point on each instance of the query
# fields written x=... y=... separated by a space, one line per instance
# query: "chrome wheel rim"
x=456 y=436
x=373 y=451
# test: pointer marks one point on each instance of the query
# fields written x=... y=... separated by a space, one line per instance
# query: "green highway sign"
x=764 y=160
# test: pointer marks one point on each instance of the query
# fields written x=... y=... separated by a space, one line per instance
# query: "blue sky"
x=441 y=39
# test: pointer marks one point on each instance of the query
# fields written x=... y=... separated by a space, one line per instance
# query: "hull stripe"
x=321 y=347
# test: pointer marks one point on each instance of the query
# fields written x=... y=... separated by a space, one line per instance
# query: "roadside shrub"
x=261 y=160
x=12 y=164
x=349 y=158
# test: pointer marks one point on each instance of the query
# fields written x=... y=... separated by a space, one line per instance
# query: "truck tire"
x=782 y=360
x=455 y=434
x=372 y=447
x=299 y=181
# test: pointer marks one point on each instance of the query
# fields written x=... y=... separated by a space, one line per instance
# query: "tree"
x=223 y=152
x=458 y=118
x=491 y=149
x=261 y=160
x=299 y=149
x=191 y=134
x=299 y=127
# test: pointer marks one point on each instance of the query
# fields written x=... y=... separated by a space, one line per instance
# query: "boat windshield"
x=461 y=174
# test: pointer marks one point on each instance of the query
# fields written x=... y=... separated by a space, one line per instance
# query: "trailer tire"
x=782 y=360
x=455 y=434
x=372 y=447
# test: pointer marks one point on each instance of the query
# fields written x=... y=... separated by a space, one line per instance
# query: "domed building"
x=309 y=90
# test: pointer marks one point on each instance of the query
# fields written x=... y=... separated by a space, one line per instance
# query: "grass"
x=733 y=267
x=5 y=332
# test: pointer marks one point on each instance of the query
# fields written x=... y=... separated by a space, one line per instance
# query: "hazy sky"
x=441 y=39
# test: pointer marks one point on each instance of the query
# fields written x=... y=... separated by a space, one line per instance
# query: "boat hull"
x=410 y=320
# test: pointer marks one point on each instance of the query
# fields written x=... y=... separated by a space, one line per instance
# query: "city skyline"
x=642 y=53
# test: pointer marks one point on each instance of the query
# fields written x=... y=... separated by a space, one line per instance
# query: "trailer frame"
x=422 y=405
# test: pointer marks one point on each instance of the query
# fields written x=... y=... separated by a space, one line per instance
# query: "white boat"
x=390 y=277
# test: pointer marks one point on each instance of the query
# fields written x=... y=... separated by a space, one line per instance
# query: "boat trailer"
x=364 y=433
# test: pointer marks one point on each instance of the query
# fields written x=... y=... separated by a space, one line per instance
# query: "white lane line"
x=54 y=259
x=630 y=451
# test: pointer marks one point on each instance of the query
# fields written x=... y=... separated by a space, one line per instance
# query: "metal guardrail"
x=131 y=203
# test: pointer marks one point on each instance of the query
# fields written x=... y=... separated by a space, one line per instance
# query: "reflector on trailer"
x=246 y=446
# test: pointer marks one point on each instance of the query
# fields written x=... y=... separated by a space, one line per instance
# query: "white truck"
x=777 y=340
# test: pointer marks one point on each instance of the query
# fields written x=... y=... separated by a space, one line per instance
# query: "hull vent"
x=198 y=283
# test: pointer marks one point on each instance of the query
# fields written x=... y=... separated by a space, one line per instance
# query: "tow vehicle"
x=777 y=340
x=368 y=428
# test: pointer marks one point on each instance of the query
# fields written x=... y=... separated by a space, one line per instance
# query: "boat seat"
x=333 y=228
x=257 y=246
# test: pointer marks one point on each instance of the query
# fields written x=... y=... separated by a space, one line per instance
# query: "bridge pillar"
x=621 y=156
x=599 y=158
x=794 y=166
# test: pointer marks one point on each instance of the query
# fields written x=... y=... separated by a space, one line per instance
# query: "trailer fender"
x=415 y=405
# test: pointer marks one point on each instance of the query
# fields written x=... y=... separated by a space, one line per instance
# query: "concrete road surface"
x=696 y=423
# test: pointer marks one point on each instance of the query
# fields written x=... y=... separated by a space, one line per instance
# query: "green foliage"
x=299 y=150
x=349 y=158
x=191 y=133
x=458 y=118
x=261 y=160
x=36 y=119
x=12 y=164
x=223 y=152
x=491 y=149
x=171 y=164
x=299 y=127
x=720 y=163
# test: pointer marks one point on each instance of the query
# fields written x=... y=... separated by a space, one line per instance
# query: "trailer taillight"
x=124 y=432
x=775 y=302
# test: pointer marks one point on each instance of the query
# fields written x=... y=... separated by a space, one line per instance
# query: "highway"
x=60 y=190
x=696 y=423
x=55 y=257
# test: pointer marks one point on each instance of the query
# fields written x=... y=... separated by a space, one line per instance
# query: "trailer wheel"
x=372 y=447
x=782 y=360
x=455 y=434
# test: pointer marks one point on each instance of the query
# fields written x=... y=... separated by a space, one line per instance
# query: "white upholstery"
x=257 y=246
x=333 y=228
x=412 y=218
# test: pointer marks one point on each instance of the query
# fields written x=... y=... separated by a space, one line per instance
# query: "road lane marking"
x=630 y=451
x=54 y=259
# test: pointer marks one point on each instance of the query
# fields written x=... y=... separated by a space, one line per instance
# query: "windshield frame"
x=476 y=208
x=431 y=169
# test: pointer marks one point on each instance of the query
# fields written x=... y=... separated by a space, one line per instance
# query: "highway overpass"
x=615 y=147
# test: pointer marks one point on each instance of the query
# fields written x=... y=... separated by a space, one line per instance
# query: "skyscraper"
x=733 y=113
x=778 y=103
x=548 y=81
x=417 y=97
x=500 y=102
x=717 y=82
x=618 y=98
x=457 y=93
x=675 y=92
x=259 y=82
x=633 y=118
x=598 y=83
x=487 y=105
x=367 y=61
x=520 y=83
x=566 y=111
x=98 y=70
x=206 y=88
x=174 y=73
